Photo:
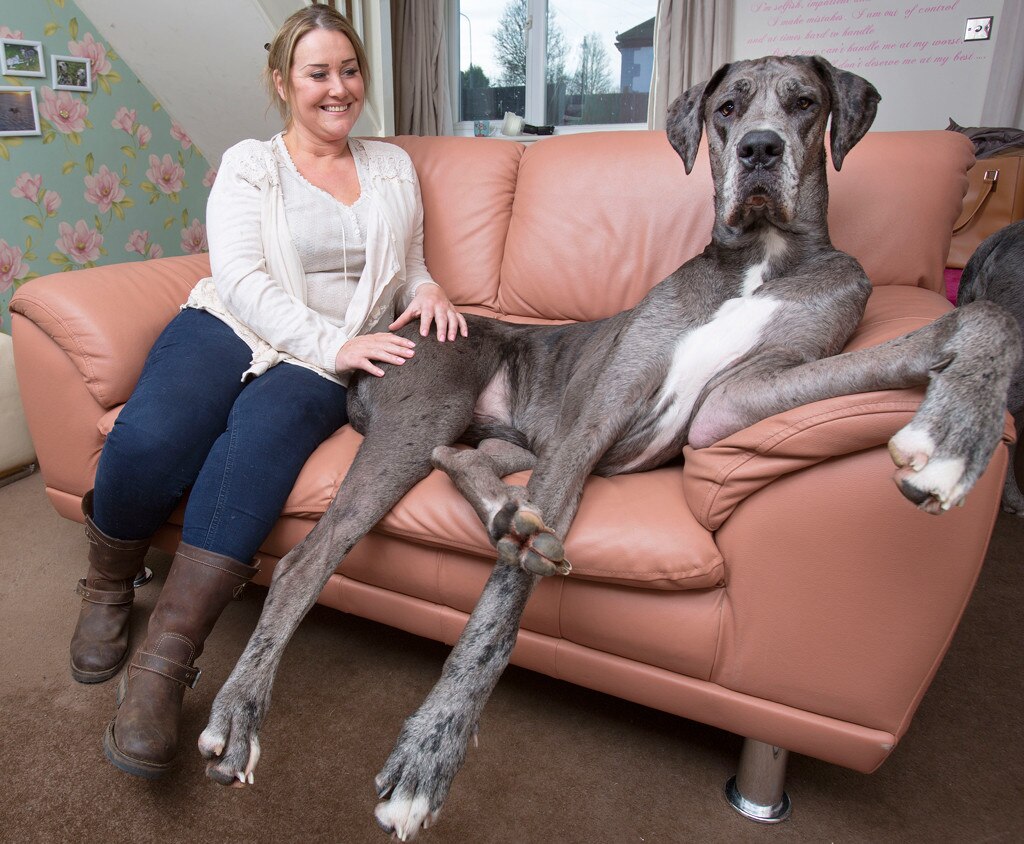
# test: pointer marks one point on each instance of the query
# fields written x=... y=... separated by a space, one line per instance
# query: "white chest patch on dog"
x=699 y=355
x=774 y=246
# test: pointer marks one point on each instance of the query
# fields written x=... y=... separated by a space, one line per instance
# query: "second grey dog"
x=995 y=273
x=751 y=327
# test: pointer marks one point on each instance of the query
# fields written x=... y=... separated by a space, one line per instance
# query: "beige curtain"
x=1004 y=100
x=692 y=38
x=420 y=55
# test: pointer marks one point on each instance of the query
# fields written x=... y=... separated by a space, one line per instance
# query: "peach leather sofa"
x=775 y=585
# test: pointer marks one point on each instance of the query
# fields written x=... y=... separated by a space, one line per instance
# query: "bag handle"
x=989 y=183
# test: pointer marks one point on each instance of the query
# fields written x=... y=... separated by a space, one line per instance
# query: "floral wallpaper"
x=111 y=178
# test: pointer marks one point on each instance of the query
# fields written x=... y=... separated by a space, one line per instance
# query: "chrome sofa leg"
x=757 y=791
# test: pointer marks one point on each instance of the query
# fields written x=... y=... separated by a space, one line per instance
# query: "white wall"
x=912 y=51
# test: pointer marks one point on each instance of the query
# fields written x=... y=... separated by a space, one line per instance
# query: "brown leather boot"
x=100 y=642
x=143 y=738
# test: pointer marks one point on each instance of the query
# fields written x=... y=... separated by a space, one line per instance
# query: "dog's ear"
x=854 y=103
x=685 y=119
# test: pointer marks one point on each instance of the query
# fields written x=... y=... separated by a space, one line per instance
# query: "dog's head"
x=766 y=127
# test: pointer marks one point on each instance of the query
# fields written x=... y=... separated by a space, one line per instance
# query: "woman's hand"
x=361 y=351
x=431 y=304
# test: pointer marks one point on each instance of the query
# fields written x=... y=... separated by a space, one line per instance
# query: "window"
x=566 y=63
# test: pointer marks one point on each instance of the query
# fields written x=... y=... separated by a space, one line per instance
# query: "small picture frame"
x=71 y=73
x=21 y=58
x=19 y=111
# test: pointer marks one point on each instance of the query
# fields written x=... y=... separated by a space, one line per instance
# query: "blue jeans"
x=191 y=422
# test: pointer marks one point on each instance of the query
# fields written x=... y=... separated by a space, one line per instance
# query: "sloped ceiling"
x=203 y=59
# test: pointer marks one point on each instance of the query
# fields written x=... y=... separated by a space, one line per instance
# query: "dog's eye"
x=727 y=108
x=803 y=103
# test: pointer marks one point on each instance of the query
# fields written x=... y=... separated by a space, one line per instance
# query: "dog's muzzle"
x=759 y=154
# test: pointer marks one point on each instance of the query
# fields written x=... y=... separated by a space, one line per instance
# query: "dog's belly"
x=492 y=405
x=700 y=354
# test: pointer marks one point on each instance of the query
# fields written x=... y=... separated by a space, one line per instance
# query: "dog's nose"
x=761 y=148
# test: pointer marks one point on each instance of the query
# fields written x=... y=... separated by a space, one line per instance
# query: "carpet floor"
x=555 y=762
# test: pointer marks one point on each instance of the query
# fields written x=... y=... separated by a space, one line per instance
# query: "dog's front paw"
x=403 y=816
x=231 y=739
x=931 y=480
x=419 y=772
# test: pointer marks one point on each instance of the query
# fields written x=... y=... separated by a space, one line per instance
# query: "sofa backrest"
x=467 y=186
x=894 y=204
x=579 y=227
x=598 y=220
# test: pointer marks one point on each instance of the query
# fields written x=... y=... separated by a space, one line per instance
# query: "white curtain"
x=1004 y=100
x=692 y=39
x=420 y=58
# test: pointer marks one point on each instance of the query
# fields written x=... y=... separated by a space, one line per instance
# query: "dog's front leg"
x=965 y=359
x=230 y=741
x=430 y=750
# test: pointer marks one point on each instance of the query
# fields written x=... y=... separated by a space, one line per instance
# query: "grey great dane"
x=751 y=327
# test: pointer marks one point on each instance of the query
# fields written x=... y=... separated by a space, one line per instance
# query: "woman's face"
x=327 y=86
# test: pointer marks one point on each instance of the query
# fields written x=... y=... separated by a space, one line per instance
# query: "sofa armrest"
x=106 y=319
x=719 y=477
x=842 y=597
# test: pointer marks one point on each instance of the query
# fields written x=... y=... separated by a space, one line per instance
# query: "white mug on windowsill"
x=513 y=124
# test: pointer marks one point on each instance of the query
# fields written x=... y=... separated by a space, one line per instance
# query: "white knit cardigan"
x=258 y=286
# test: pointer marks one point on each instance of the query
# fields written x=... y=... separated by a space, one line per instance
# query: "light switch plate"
x=978 y=29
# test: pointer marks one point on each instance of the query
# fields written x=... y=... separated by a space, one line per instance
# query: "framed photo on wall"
x=21 y=58
x=19 y=112
x=71 y=73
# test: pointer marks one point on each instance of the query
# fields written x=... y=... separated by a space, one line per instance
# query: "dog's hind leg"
x=514 y=525
x=394 y=456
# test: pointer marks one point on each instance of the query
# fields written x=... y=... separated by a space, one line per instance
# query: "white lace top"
x=329 y=236
x=296 y=273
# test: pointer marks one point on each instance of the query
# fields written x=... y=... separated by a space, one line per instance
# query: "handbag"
x=994 y=199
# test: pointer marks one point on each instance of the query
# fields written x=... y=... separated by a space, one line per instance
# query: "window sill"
x=465 y=129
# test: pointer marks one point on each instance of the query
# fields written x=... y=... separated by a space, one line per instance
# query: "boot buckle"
x=187 y=675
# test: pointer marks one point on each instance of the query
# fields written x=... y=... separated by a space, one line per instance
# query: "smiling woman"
x=316 y=253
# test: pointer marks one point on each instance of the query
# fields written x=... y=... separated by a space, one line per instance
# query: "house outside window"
x=577 y=65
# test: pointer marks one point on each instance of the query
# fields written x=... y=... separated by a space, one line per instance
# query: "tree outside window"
x=591 y=76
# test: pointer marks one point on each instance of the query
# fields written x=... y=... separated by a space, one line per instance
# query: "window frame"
x=536 y=44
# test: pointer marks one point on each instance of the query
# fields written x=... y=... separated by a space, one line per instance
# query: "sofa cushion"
x=467 y=186
x=867 y=214
x=634 y=530
x=638 y=523
x=598 y=219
